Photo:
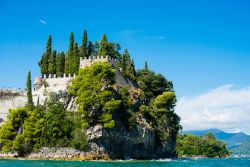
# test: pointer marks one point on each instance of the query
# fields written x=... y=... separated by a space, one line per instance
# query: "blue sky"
x=199 y=45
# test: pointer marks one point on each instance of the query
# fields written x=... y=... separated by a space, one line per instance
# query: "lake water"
x=230 y=162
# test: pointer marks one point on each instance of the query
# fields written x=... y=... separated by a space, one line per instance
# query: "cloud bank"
x=225 y=108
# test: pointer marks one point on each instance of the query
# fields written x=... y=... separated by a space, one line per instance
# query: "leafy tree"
x=44 y=62
x=103 y=49
x=167 y=122
x=207 y=145
x=79 y=140
x=84 y=47
x=34 y=128
x=95 y=95
x=152 y=84
x=29 y=91
x=11 y=127
x=57 y=127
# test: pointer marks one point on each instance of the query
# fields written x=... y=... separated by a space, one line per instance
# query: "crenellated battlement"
x=88 y=61
x=54 y=79
x=49 y=76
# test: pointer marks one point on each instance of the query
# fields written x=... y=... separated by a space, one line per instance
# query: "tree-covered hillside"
x=206 y=146
x=99 y=100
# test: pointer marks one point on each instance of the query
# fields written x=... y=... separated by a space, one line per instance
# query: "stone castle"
x=58 y=80
x=53 y=83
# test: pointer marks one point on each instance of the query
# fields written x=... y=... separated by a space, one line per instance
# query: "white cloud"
x=42 y=21
x=154 y=37
x=130 y=33
x=225 y=108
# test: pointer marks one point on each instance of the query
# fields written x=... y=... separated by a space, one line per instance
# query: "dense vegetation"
x=99 y=99
x=54 y=62
x=50 y=125
x=206 y=145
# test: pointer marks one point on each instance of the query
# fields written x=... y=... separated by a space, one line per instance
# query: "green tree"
x=34 y=129
x=91 y=49
x=167 y=122
x=60 y=64
x=11 y=127
x=69 y=68
x=57 y=130
x=79 y=140
x=146 y=66
x=76 y=60
x=127 y=65
x=95 y=96
x=45 y=60
x=30 y=103
x=52 y=63
x=96 y=48
x=113 y=50
x=84 y=47
x=152 y=84
x=207 y=145
x=103 y=49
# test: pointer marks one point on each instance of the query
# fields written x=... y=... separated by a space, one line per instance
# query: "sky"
x=202 y=46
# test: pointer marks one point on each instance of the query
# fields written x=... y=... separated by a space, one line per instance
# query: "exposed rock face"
x=10 y=98
x=116 y=143
x=120 y=143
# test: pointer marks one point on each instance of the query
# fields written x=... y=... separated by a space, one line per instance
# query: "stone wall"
x=9 y=99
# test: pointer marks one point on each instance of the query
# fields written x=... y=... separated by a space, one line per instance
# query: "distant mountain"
x=239 y=143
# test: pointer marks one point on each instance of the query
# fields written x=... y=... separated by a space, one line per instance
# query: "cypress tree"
x=70 y=55
x=103 y=50
x=84 y=47
x=146 y=66
x=29 y=91
x=133 y=71
x=91 y=49
x=76 y=60
x=127 y=65
x=96 y=48
x=52 y=63
x=44 y=62
x=60 y=63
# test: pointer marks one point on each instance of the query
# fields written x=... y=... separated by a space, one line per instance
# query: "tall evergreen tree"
x=96 y=48
x=70 y=55
x=146 y=66
x=76 y=60
x=103 y=49
x=91 y=49
x=60 y=63
x=29 y=91
x=44 y=62
x=133 y=71
x=84 y=47
x=52 y=63
x=127 y=65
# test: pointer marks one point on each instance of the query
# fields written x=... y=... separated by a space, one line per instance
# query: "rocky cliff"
x=10 y=98
x=116 y=143
x=120 y=143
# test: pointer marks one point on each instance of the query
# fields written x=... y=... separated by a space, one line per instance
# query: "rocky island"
x=90 y=103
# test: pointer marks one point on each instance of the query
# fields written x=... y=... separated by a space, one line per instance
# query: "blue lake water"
x=230 y=162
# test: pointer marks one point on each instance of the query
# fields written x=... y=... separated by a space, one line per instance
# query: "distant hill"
x=239 y=143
